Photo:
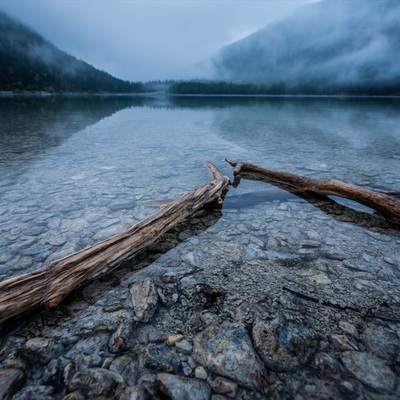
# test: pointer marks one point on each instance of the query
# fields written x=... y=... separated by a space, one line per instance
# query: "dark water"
x=76 y=170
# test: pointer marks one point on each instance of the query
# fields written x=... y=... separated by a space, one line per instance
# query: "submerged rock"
x=382 y=342
x=226 y=349
x=370 y=370
x=284 y=343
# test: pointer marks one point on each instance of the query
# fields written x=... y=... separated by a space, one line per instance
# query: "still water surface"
x=74 y=171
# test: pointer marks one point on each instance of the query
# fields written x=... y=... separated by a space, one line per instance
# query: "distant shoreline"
x=5 y=94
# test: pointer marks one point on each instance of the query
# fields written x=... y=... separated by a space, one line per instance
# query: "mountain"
x=328 y=46
x=28 y=62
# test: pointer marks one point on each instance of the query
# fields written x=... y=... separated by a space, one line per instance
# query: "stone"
x=349 y=328
x=326 y=364
x=278 y=391
x=87 y=351
x=370 y=370
x=161 y=358
x=121 y=339
x=226 y=349
x=183 y=346
x=283 y=342
x=126 y=366
x=168 y=277
x=11 y=381
x=200 y=373
x=320 y=279
x=41 y=392
x=224 y=386
x=382 y=342
x=347 y=389
x=96 y=382
x=156 y=336
x=191 y=258
x=144 y=299
x=342 y=342
x=41 y=350
x=52 y=372
x=172 y=339
x=182 y=388
x=74 y=396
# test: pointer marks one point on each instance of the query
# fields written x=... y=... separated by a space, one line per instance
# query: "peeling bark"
x=49 y=285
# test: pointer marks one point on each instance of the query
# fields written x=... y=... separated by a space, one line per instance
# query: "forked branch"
x=385 y=204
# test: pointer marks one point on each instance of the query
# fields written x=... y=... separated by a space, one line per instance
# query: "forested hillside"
x=326 y=47
x=28 y=62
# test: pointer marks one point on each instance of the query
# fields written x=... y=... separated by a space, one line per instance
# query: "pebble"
x=349 y=329
x=191 y=258
x=183 y=346
x=343 y=342
x=200 y=373
x=370 y=370
x=224 y=386
x=144 y=299
x=174 y=339
x=320 y=279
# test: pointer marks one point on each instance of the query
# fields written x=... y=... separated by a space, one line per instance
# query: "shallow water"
x=74 y=171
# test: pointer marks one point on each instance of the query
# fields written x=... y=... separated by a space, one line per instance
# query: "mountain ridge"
x=323 y=47
x=29 y=62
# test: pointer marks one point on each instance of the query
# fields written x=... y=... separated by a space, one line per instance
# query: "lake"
x=75 y=170
x=311 y=288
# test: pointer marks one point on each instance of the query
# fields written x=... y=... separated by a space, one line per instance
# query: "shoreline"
x=9 y=94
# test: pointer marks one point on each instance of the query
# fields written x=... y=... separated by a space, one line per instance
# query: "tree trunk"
x=385 y=204
x=49 y=285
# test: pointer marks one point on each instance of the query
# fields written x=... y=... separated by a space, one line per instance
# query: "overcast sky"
x=141 y=40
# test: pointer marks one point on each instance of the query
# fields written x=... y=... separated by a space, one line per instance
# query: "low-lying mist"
x=331 y=42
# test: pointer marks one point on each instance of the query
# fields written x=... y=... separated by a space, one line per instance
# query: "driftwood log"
x=49 y=285
x=384 y=203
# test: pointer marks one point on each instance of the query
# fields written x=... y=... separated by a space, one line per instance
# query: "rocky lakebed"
x=276 y=301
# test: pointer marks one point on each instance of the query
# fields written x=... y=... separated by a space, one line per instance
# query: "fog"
x=146 y=40
x=332 y=41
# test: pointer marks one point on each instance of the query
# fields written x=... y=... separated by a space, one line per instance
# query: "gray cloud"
x=146 y=40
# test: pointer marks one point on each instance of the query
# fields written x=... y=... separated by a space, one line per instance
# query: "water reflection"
x=308 y=135
x=31 y=126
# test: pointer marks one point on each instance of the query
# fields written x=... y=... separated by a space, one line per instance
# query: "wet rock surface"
x=284 y=343
x=226 y=350
x=280 y=301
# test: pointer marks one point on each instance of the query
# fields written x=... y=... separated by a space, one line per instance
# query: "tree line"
x=281 y=88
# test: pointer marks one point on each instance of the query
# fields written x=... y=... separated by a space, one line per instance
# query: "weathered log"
x=49 y=285
x=386 y=205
